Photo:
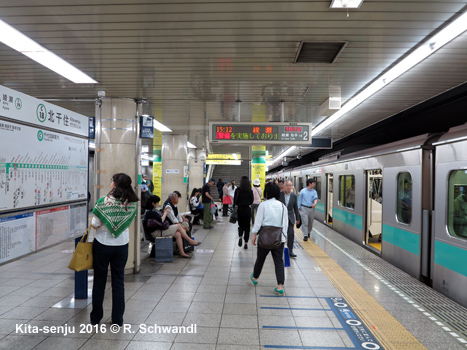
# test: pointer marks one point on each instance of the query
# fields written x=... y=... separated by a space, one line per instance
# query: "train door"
x=329 y=191
x=374 y=208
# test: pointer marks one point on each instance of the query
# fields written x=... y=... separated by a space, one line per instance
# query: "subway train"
x=406 y=201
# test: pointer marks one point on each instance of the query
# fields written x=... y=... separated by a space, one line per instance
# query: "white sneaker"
x=219 y=219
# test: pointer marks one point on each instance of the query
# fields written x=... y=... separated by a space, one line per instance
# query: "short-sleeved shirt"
x=206 y=188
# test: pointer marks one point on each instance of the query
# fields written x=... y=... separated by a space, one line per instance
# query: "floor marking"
x=320 y=328
x=389 y=332
x=292 y=308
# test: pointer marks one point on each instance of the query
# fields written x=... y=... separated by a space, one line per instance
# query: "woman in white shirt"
x=113 y=215
x=232 y=189
x=271 y=213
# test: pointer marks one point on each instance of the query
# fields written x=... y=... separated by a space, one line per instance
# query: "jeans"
x=277 y=255
x=116 y=256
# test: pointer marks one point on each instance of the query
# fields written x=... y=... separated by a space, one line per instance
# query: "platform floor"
x=338 y=296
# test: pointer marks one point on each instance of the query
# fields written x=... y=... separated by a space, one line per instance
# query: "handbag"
x=82 y=256
x=269 y=237
x=227 y=200
x=234 y=216
x=213 y=209
x=153 y=223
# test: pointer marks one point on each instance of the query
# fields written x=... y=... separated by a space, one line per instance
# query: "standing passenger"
x=270 y=213
x=306 y=205
x=207 y=200
x=243 y=199
x=226 y=199
x=232 y=189
x=257 y=195
x=113 y=215
x=289 y=199
x=220 y=185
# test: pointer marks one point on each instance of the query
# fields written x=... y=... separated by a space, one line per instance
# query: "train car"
x=406 y=201
x=449 y=263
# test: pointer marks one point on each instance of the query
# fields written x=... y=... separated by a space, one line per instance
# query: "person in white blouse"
x=271 y=213
x=113 y=215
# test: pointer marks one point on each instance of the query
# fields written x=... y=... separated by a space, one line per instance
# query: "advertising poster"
x=258 y=164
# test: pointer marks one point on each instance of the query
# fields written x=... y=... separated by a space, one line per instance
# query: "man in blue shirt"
x=306 y=206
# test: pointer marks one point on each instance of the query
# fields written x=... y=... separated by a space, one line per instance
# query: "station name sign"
x=260 y=133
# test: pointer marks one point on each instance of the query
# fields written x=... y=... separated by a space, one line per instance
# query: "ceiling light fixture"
x=161 y=127
x=440 y=39
x=346 y=4
x=28 y=47
x=284 y=154
x=190 y=145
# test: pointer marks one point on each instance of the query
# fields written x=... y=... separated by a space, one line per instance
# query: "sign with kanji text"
x=260 y=133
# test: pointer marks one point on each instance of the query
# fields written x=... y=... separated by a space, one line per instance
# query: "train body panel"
x=406 y=201
x=450 y=224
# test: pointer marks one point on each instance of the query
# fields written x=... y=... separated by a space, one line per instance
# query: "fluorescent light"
x=189 y=144
x=450 y=32
x=161 y=127
x=284 y=154
x=21 y=43
x=346 y=4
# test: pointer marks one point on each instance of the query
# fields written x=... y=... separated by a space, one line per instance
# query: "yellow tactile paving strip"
x=389 y=332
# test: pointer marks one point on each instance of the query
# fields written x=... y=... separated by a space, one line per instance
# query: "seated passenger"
x=173 y=216
x=176 y=230
x=196 y=207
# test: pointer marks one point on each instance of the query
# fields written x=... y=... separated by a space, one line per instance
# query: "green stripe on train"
x=403 y=239
x=451 y=257
x=348 y=218
x=320 y=207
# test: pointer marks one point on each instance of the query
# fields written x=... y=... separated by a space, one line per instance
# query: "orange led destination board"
x=260 y=133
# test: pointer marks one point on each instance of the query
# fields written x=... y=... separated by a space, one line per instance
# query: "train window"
x=457 y=205
x=347 y=191
x=404 y=198
x=318 y=186
x=300 y=184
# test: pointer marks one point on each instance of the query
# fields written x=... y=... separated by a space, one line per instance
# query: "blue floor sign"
x=358 y=333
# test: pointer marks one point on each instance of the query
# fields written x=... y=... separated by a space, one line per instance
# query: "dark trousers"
x=116 y=256
x=198 y=215
x=290 y=237
x=225 y=210
x=244 y=215
x=277 y=255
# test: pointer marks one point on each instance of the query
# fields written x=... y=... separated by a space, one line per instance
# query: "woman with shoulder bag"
x=153 y=216
x=271 y=226
x=113 y=215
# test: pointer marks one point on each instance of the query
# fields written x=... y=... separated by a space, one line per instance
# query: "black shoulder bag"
x=269 y=237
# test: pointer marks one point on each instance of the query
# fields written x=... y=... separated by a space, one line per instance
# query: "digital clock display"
x=293 y=128
x=260 y=133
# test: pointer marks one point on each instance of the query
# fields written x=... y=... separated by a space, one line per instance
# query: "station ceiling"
x=192 y=60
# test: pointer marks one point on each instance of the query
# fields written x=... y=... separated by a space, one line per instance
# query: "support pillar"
x=117 y=128
x=174 y=159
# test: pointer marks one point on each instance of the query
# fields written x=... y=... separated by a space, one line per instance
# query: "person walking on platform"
x=243 y=199
x=271 y=213
x=207 y=200
x=306 y=205
x=257 y=195
x=113 y=215
x=289 y=199
x=232 y=189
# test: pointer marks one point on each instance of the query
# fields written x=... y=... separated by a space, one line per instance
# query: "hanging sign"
x=260 y=133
